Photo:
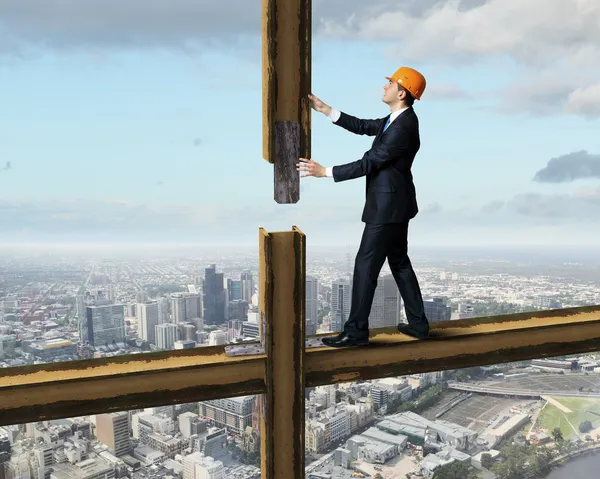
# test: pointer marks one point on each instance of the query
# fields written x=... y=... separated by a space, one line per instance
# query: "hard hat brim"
x=391 y=79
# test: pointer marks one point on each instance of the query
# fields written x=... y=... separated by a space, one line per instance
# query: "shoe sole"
x=365 y=343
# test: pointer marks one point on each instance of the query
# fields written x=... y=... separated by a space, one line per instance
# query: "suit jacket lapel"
x=405 y=112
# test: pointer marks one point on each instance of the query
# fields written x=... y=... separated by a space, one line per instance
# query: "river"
x=580 y=468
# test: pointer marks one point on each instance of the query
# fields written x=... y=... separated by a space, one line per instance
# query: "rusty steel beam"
x=283 y=255
x=286 y=58
x=459 y=344
x=78 y=388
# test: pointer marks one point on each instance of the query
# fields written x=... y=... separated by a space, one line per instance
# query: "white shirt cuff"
x=329 y=171
x=334 y=115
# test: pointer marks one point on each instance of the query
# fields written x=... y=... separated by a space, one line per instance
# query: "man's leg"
x=407 y=282
x=369 y=261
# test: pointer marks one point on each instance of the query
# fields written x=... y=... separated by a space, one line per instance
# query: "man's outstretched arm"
x=387 y=152
x=381 y=156
x=348 y=122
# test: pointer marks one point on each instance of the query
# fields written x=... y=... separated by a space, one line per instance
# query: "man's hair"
x=409 y=99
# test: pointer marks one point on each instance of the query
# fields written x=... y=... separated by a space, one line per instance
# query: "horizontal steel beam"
x=77 y=388
x=92 y=386
x=459 y=344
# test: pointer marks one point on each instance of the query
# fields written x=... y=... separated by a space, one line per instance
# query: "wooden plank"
x=286 y=58
x=77 y=388
x=459 y=344
x=284 y=345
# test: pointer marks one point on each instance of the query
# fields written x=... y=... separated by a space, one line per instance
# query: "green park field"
x=552 y=417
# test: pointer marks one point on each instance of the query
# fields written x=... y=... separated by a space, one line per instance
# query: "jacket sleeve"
x=392 y=148
x=358 y=126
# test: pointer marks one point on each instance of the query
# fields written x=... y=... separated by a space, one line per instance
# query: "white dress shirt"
x=334 y=115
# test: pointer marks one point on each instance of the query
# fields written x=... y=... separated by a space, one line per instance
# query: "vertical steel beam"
x=282 y=300
x=286 y=57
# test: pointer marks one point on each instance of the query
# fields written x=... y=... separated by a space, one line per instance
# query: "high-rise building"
x=387 y=302
x=341 y=296
x=147 y=316
x=105 y=324
x=166 y=335
x=312 y=303
x=163 y=310
x=112 y=430
x=437 y=309
x=198 y=466
x=247 y=286
x=235 y=414
x=214 y=296
x=234 y=290
x=185 y=307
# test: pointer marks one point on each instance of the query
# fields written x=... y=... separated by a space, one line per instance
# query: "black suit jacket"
x=390 y=192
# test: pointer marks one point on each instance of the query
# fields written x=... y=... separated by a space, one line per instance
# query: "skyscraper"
x=247 y=286
x=387 y=303
x=147 y=316
x=312 y=287
x=105 y=324
x=214 y=296
x=341 y=295
x=437 y=309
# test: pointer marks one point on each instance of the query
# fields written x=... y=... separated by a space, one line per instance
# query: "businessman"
x=390 y=204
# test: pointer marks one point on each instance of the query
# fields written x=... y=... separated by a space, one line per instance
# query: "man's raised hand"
x=319 y=105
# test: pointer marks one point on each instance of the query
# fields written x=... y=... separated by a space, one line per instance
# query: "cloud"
x=584 y=101
x=197 y=142
x=432 y=208
x=185 y=25
x=63 y=24
x=543 y=92
x=531 y=32
x=557 y=208
x=6 y=167
x=492 y=207
x=447 y=91
x=569 y=167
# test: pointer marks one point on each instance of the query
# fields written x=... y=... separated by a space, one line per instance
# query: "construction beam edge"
x=473 y=342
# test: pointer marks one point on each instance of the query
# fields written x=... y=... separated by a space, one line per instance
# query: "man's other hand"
x=319 y=105
x=311 y=167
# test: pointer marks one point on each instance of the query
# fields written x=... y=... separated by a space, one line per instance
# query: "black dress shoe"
x=343 y=339
x=415 y=333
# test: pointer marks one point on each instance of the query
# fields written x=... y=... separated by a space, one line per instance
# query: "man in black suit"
x=390 y=204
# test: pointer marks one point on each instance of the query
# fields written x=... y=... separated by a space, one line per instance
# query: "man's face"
x=391 y=92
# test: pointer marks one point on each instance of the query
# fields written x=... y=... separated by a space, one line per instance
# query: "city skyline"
x=132 y=122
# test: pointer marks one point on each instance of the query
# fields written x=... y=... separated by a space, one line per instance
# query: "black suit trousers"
x=381 y=241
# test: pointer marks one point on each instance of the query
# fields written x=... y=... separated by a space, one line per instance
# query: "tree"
x=454 y=470
x=486 y=460
x=585 y=426
x=557 y=434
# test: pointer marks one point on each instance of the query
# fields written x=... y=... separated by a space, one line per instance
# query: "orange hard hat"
x=410 y=79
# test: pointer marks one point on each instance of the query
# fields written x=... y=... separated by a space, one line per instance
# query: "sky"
x=141 y=121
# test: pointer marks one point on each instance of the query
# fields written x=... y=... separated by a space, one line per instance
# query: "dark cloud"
x=492 y=207
x=570 y=167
